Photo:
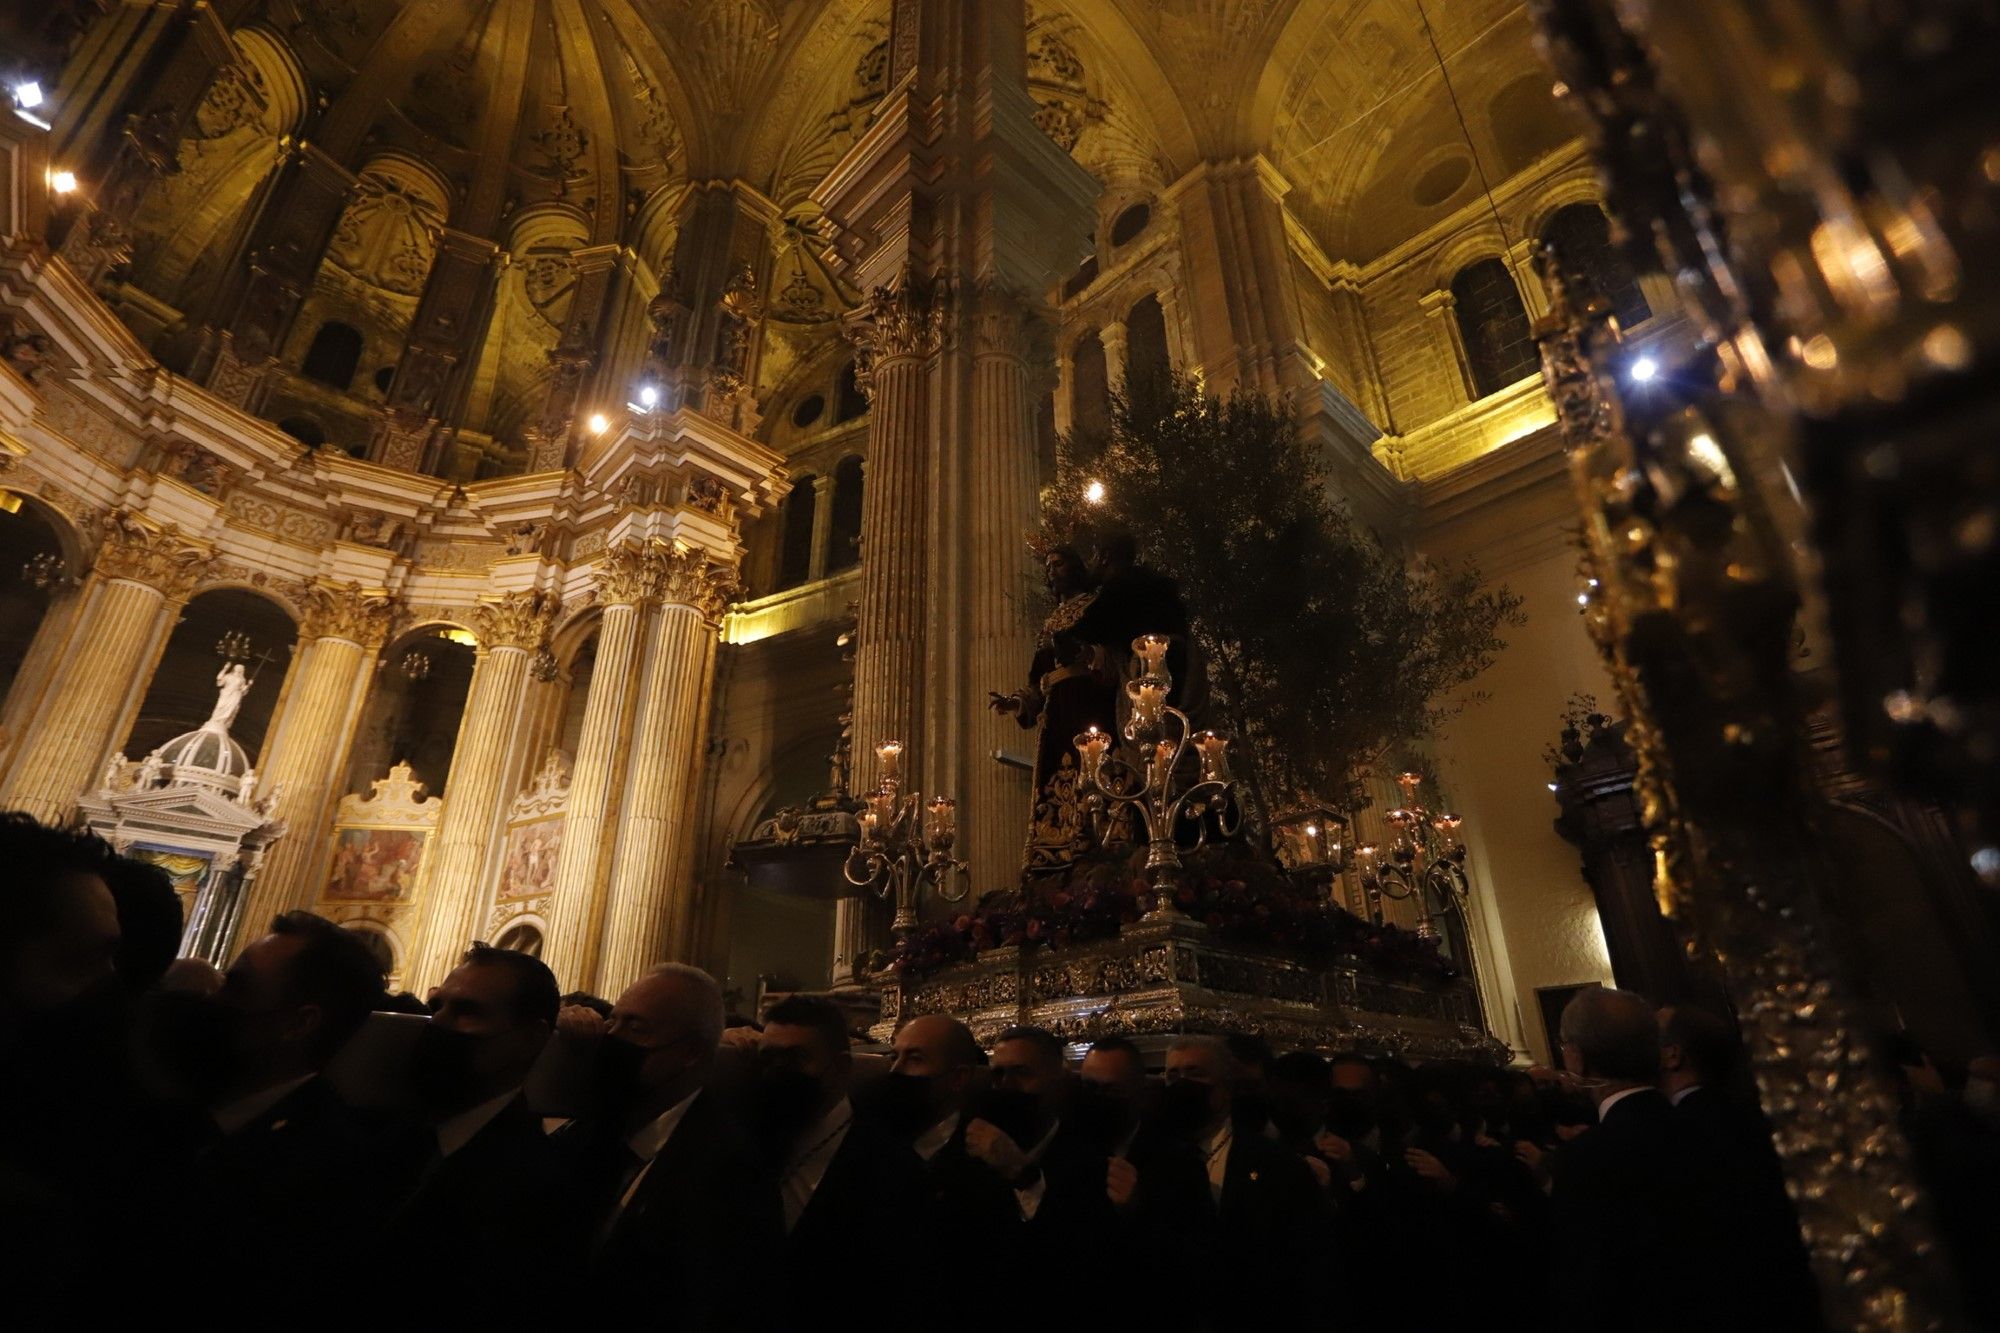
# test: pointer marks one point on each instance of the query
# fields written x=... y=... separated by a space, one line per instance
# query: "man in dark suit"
x=1765 y=1273
x=1266 y=1201
x=491 y=1183
x=680 y=1207
x=846 y=1185
x=287 y=1170
x=1628 y=1210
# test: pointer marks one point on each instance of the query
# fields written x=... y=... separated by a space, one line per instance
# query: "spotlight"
x=1094 y=493
x=1552 y=786
x=649 y=397
x=599 y=423
x=62 y=182
x=1643 y=370
x=28 y=95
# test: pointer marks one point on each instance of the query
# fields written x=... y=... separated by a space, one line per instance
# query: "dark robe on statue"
x=1073 y=685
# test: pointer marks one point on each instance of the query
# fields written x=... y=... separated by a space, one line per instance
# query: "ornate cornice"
x=517 y=620
x=158 y=556
x=347 y=611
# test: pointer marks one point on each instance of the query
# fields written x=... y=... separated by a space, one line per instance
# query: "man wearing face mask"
x=680 y=1208
x=845 y=1184
x=491 y=1181
x=1267 y=1206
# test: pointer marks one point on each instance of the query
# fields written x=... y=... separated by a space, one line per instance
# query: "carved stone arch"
x=276 y=71
x=76 y=543
x=1113 y=44
x=574 y=631
x=1482 y=240
x=656 y=227
x=247 y=581
x=1574 y=185
x=704 y=153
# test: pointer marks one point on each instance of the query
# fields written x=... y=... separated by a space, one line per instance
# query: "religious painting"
x=375 y=864
x=530 y=867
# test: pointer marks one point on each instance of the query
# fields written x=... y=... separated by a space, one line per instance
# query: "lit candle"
x=890 y=753
x=1091 y=744
x=1409 y=782
x=1152 y=648
x=1214 y=750
x=1312 y=844
x=868 y=827
x=942 y=821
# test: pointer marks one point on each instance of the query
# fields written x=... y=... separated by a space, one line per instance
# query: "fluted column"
x=822 y=530
x=1002 y=510
x=142 y=575
x=650 y=913
x=476 y=794
x=626 y=585
x=306 y=756
x=901 y=332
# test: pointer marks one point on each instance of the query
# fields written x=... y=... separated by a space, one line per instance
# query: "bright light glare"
x=599 y=423
x=648 y=396
x=1094 y=492
x=1643 y=370
x=27 y=95
x=62 y=182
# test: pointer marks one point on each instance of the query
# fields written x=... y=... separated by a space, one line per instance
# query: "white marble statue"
x=114 y=771
x=246 y=787
x=231 y=684
x=151 y=768
x=267 y=806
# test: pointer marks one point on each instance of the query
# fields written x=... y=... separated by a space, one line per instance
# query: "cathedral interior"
x=585 y=427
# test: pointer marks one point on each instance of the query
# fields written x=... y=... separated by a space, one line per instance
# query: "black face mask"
x=782 y=1102
x=1015 y=1114
x=1183 y=1108
x=1350 y=1114
x=614 y=1075
x=445 y=1067
x=902 y=1104
x=186 y=1046
x=1099 y=1115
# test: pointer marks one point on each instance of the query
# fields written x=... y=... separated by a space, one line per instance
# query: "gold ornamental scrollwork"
x=904 y=321
x=159 y=556
x=629 y=576
x=517 y=620
x=347 y=611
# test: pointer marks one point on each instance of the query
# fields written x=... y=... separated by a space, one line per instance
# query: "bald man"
x=1631 y=1216
x=684 y=1211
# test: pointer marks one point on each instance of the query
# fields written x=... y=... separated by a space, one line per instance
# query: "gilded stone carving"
x=690 y=578
x=516 y=620
x=628 y=576
x=347 y=611
x=157 y=556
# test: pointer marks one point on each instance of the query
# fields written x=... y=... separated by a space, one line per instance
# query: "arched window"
x=844 y=529
x=850 y=402
x=1089 y=387
x=335 y=352
x=1580 y=235
x=1131 y=223
x=1146 y=342
x=1493 y=325
x=795 y=551
x=304 y=429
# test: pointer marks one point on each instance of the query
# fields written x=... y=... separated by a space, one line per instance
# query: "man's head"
x=1697 y=1049
x=1114 y=1076
x=941 y=1052
x=1201 y=1081
x=492 y=1017
x=294 y=998
x=805 y=1066
x=1063 y=569
x=1030 y=1060
x=59 y=935
x=1354 y=1094
x=1610 y=1040
x=1117 y=551
x=149 y=920
x=661 y=1039
x=1299 y=1090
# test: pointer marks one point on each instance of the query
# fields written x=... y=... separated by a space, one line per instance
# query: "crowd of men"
x=176 y=1141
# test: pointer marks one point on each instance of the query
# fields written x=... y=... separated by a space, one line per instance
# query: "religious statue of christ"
x=231 y=684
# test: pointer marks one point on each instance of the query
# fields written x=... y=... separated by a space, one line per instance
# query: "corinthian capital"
x=689 y=578
x=517 y=620
x=1004 y=323
x=158 y=556
x=906 y=320
x=629 y=575
x=347 y=611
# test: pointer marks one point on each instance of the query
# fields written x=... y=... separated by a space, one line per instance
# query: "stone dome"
x=207 y=757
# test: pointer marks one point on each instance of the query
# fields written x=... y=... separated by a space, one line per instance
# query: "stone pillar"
x=125 y=609
x=650 y=916
x=510 y=629
x=1440 y=310
x=626 y=585
x=822 y=533
x=311 y=738
x=1116 y=344
x=900 y=333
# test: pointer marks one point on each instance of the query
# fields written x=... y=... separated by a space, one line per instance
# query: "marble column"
x=901 y=331
x=1003 y=508
x=125 y=609
x=626 y=586
x=510 y=629
x=650 y=910
x=305 y=759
